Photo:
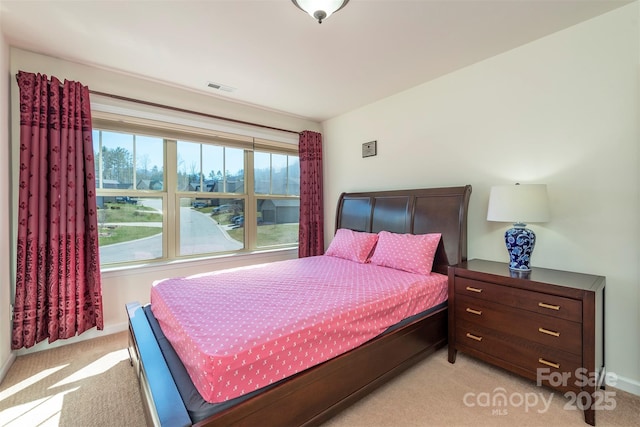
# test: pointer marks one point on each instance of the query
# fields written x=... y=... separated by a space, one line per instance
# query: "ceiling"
x=279 y=58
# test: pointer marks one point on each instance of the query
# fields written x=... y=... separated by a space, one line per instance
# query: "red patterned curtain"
x=58 y=288
x=311 y=238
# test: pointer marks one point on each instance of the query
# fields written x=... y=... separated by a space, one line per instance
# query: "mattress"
x=240 y=330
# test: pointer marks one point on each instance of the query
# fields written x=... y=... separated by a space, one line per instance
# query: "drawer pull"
x=472 y=311
x=474 y=337
x=477 y=290
x=548 y=332
x=546 y=362
x=549 y=306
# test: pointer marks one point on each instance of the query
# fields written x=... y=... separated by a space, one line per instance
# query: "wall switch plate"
x=369 y=149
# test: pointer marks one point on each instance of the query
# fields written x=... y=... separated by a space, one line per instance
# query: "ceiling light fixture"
x=320 y=9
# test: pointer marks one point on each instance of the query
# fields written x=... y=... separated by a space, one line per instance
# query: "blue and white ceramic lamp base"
x=520 y=242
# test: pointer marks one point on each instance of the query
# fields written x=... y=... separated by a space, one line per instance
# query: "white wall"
x=6 y=357
x=121 y=287
x=563 y=111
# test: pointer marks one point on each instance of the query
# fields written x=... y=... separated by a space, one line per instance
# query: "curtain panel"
x=58 y=285
x=311 y=234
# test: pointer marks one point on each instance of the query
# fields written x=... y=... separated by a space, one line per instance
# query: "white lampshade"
x=520 y=203
x=320 y=9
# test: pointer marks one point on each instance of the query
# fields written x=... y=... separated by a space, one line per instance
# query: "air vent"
x=218 y=86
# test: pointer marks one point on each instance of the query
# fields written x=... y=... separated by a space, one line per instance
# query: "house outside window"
x=167 y=194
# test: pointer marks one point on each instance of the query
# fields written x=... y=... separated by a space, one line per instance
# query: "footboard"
x=162 y=403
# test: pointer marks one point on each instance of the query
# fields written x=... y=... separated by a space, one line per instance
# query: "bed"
x=316 y=393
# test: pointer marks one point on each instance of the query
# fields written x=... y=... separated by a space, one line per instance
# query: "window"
x=210 y=168
x=166 y=195
x=278 y=176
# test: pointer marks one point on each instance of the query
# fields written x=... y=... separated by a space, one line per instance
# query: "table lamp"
x=519 y=204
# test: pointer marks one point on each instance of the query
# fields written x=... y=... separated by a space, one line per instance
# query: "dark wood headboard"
x=419 y=211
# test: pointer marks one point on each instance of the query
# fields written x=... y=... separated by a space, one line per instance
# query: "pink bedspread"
x=242 y=329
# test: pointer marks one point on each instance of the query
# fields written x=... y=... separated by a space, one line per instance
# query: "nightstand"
x=545 y=325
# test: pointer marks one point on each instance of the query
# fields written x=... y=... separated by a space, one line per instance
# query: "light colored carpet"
x=91 y=383
x=437 y=393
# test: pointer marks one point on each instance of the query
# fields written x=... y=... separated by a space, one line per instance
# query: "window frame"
x=171 y=133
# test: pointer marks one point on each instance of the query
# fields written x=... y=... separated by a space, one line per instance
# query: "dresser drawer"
x=551 y=305
x=524 y=354
x=550 y=331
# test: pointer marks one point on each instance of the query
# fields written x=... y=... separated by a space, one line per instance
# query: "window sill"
x=213 y=263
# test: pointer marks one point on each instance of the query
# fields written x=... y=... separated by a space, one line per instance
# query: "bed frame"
x=318 y=393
